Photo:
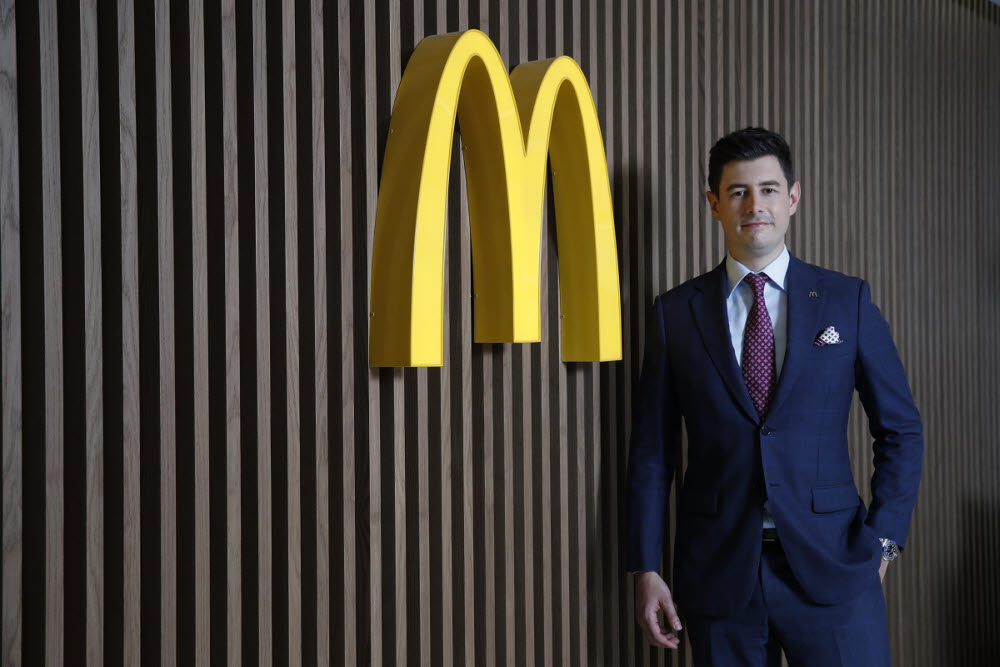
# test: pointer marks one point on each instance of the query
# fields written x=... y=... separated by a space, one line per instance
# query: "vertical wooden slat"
x=93 y=334
x=463 y=320
x=52 y=278
x=199 y=260
x=566 y=559
x=618 y=598
x=10 y=332
x=579 y=506
x=265 y=545
x=130 y=332
x=462 y=332
x=504 y=458
x=544 y=462
x=590 y=541
x=294 y=533
x=460 y=314
x=424 y=613
x=562 y=442
x=165 y=283
x=708 y=55
x=232 y=277
x=773 y=20
x=826 y=175
x=425 y=606
x=634 y=270
x=379 y=599
x=445 y=475
x=487 y=564
x=686 y=202
x=429 y=612
x=987 y=164
x=531 y=624
x=450 y=615
x=324 y=430
x=349 y=610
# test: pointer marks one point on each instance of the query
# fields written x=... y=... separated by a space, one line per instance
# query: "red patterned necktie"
x=758 y=348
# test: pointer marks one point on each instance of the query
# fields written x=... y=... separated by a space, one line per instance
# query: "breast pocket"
x=837 y=352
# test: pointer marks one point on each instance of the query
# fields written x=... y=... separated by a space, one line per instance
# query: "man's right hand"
x=651 y=596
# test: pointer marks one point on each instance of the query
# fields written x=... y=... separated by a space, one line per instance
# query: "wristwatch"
x=890 y=550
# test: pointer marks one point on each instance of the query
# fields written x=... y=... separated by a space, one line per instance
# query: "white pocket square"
x=829 y=336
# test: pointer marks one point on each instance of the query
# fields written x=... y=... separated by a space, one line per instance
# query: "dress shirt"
x=739 y=300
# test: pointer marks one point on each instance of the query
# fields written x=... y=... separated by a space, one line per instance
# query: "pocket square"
x=829 y=336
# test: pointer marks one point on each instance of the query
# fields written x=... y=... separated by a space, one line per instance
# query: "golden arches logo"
x=463 y=74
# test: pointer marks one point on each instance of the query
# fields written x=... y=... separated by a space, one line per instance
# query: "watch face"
x=890 y=551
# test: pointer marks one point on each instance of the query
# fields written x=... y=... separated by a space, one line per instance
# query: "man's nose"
x=753 y=203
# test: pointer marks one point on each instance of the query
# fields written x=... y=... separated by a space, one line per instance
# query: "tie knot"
x=757 y=282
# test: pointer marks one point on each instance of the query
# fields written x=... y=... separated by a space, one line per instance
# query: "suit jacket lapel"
x=805 y=300
x=709 y=309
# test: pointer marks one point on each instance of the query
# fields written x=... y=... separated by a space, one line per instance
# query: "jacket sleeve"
x=893 y=421
x=655 y=433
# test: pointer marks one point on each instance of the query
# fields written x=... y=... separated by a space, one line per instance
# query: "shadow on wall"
x=979 y=8
x=974 y=593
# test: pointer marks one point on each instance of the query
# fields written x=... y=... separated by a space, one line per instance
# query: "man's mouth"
x=753 y=224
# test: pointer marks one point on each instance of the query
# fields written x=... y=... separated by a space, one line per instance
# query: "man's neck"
x=757 y=263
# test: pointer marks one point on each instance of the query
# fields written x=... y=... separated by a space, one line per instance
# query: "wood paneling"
x=200 y=467
x=10 y=331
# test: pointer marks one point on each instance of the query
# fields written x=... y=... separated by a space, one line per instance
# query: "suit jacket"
x=797 y=456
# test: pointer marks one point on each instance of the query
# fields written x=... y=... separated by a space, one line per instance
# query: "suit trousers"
x=780 y=617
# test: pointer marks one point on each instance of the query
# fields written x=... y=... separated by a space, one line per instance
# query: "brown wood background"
x=199 y=466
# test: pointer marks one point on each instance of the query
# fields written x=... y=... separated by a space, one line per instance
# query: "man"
x=760 y=358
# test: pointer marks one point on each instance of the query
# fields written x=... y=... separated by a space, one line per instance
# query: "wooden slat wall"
x=199 y=467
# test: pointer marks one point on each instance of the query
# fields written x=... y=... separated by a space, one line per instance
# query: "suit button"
x=767 y=430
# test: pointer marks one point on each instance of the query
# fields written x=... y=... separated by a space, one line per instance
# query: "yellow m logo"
x=505 y=171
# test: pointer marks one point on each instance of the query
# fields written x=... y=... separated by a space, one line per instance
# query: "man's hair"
x=748 y=144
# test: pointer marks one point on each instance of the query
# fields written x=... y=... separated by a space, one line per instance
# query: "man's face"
x=754 y=204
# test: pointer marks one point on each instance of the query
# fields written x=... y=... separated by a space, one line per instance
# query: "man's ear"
x=713 y=202
x=794 y=195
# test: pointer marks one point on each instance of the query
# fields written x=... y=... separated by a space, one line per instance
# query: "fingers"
x=670 y=611
x=652 y=595
x=654 y=632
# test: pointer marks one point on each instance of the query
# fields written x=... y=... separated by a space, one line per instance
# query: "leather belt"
x=770 y=535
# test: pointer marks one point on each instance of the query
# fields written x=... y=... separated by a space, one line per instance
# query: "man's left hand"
x=881 y=570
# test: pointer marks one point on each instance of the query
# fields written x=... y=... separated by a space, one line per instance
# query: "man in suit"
x=759 y=359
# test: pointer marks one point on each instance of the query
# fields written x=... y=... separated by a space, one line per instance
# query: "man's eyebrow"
x=736 y=186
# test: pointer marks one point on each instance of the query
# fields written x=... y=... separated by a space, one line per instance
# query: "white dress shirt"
x=739 y=300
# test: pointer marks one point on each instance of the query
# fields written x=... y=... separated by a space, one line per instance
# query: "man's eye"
x=769 y=191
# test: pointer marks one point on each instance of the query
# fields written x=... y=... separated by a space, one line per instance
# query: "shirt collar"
x=776 y=271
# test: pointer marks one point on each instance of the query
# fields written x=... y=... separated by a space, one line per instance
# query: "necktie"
x=758 y=348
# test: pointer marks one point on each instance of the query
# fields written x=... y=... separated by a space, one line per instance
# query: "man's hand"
x=881 y=570
x=651 y=596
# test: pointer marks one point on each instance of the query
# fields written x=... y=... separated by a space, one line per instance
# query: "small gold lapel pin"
x=813 y=294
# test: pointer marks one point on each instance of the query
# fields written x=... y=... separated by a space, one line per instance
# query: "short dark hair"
x=749 y=143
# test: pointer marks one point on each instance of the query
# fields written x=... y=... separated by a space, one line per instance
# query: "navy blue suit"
x=797 y=457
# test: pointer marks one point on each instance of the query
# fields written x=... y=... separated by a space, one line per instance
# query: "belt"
x=770 y=535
